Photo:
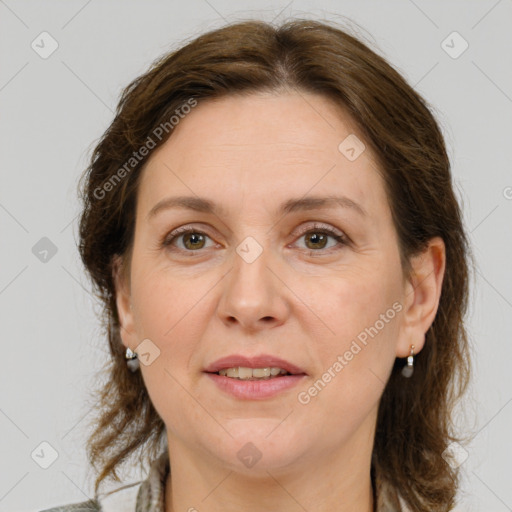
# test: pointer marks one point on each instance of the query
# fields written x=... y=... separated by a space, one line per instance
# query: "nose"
x=254 y=296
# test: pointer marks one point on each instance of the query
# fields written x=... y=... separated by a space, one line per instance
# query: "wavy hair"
x=415 y=424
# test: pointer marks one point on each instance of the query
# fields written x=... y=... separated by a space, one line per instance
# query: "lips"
x=261 y=361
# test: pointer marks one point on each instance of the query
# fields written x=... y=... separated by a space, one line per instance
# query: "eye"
x=186 y=239
x=318 y=237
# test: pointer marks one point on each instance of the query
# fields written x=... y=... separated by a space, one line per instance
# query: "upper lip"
x=261 y=361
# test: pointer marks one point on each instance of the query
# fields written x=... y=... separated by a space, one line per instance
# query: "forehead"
x=262 y=148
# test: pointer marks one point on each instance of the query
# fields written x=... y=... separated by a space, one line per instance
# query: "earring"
x=132 y=360
x=408 y=370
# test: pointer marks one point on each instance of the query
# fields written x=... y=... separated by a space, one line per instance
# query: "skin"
x=302 y=300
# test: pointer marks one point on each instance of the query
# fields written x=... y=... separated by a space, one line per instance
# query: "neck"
x=199 y=483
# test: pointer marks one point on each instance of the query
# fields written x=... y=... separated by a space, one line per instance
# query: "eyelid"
x=320 y=226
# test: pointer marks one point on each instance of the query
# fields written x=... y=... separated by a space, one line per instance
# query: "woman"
x=271 y=225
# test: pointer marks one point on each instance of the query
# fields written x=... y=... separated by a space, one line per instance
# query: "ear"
x=123 y=302
x=421 y=297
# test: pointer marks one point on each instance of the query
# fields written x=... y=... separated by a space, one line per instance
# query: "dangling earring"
x=408 y=370
x=132 y=360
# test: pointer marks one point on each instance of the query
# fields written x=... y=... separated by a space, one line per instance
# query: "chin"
x=258 y=446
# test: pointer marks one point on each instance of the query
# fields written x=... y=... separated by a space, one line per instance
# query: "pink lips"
x=254 y=389
x=262 y=361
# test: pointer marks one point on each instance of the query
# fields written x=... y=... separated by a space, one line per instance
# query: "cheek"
x=173 y=313
x=166 y=303
x=359 y=318
x=344 y=306
x=355 y=361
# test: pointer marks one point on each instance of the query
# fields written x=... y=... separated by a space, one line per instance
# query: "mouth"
x=253 y=368
x=245 y=373
x=254 y=378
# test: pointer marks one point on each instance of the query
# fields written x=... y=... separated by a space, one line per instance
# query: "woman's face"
x=295 y=258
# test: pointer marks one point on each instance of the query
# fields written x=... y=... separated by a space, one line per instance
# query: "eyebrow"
x=200 y=204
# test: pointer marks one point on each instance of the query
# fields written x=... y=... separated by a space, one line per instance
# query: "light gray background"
x=52 y=112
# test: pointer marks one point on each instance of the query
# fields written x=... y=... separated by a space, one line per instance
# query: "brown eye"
x=322 y=239
x=187 y=240
x=193 y=240
x=317 y=240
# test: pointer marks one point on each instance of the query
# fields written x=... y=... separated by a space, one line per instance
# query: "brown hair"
x=414 y=424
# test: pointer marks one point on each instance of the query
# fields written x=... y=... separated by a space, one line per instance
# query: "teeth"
x=258 y=372
x=244 y=373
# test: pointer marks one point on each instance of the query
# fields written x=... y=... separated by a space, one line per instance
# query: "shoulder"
x=146 y=495
x=123 y=499
x=84 y=506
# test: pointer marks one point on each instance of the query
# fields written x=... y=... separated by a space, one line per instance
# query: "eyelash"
x=342 y=240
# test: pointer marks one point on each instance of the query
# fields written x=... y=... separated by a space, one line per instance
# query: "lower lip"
x=255 y=389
